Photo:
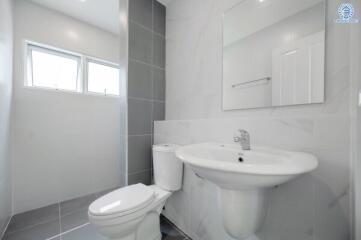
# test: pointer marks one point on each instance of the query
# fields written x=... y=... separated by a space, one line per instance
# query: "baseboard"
x=6 y=227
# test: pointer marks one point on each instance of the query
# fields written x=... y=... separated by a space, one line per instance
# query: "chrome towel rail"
x=265 y=79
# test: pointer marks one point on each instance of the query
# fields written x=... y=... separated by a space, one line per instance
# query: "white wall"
x=356 y=120
x=6 y=56
x=65 y=145
x=315 y=206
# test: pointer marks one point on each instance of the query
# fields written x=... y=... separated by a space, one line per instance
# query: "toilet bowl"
x=132 y=212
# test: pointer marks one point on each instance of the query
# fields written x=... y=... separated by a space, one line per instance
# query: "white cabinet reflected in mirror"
x=273 y=53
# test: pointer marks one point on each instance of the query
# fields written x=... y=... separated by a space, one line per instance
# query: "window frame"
x=29 y=80
x=86 y=74
x=82 y=71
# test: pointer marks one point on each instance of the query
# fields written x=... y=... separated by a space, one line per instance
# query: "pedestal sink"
x=244 y=178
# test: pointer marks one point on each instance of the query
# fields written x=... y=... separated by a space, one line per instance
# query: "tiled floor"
x=67 y=221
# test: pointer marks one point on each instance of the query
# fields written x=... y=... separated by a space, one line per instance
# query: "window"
x=52 y=69
x=62 y=70
x=103 y=78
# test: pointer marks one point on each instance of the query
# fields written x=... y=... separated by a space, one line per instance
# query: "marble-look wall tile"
x=315 y=206
x=194 y=64
x=309 y=207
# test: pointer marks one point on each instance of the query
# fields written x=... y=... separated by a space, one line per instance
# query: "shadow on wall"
x=305 y=209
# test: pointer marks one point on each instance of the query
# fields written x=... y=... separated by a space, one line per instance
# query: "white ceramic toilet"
x=132 y=212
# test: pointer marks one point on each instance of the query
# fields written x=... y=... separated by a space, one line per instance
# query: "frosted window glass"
x=103 y=79
x=54 y=71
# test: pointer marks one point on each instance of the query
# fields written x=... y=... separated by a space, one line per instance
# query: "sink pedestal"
x=244 y=179
x=243 y=211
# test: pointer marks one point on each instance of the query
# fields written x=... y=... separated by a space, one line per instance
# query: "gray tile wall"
x=146 y=84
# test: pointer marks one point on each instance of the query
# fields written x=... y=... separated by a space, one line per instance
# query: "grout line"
x=59 y=220
x=66 y=232
x=152 y=79
x=146 y=100
x=147 y=28
x=53 y=237
x=32 y=226
x=138 y=172
x=145 y=63
x=140 y=135
x=6 y=227
x=73 y=229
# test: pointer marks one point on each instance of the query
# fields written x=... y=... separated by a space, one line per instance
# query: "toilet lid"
x=123 y=200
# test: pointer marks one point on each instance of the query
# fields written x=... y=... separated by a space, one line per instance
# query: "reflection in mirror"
x=273 y=53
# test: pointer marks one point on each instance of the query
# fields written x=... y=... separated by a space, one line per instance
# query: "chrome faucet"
x=243 y=138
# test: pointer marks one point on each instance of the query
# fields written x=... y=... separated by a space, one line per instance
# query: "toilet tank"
x=168 y=169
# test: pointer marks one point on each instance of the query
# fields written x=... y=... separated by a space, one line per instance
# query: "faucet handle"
x=244 y=139
x=243 y=133
x=236 y=139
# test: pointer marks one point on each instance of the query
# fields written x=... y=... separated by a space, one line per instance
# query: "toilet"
x=132 y=212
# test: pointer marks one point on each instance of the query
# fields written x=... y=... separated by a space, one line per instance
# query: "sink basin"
x=244 y=178
x=228 y=166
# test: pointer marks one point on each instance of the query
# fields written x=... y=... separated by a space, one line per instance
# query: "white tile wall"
x=6 y=56
x=315 y=206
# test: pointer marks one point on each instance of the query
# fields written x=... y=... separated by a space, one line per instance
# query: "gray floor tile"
x=38 y=232
x=74 y=220
x=73 y=226
x=76 y=204
x=34 y=217
x=85 y=233
x=88 y=233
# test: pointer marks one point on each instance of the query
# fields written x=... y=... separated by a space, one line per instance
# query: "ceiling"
x=101 y=13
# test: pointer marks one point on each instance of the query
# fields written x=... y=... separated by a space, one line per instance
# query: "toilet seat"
x=132 y=212
x=123 y=201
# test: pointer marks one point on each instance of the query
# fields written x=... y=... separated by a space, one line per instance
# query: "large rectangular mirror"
x=273 y=53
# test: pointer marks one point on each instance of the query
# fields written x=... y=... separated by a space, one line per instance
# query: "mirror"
x=273 y=53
